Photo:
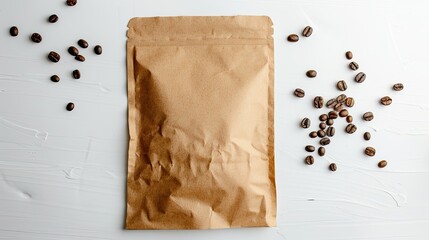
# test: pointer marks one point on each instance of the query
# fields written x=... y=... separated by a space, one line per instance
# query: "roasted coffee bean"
x=293 y=38
x=82 y=43
x=35 y=37
x=318 y=102
x=370 y=151
x=70 y=106
x=330 y=132
x=98 y=50
x=341 y=98
x=71 y=2
x=309 y=148
x=332 y=115
x=54 y=57
x=323 y=117
x=14 y=31
x=360 y=77
x=73 y=51
x=350 y=102
x=80 y=58
x=324 y=141
x=351 y=128
x=331 y=103
x=321 y=151
x=349 y=55
x=343 y=113
x=305 y=123
x=333 y=167
x=313 y=134
x=321 y=133
x=322 y=125
x=382 y=164
x=299 y=93
x=398 y=87
x=53 y=18
x=330 y=122
x=55 y=78
x=338 y=106
x=354 y=66
x=386 y=101
x=76 y=74
x=349 y=119
x=311 y=73
x=342 y=85
x=307 y=31
x=368 y=116
x=367 y=136
x=309 y=160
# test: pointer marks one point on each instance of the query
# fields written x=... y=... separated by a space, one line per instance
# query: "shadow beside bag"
x=201 y=113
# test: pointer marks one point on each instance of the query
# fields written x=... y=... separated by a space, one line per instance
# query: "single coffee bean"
x=13 y=31
x=299 y=93
x=313 y=134
x=343 y=113
x=76 y=74
x=323 y=117
x=349 y=55
x=341 y=98
x=351 y=128
x=321 y=151
x=370 y=151
x=98 y=50
x=70 y=106
x=350 y=102
x=309 y=160
x=80 y=58
x=82 y=43
x=311 y=73
x=324 y=141
x=307 y=31
x=71 y=2
x=309 y=148
x=54 y=57
x=330 y=132
x=332 y=115
x=53 y=18
x=338 y=106
x=330 y=122
x=367 y=136
x=293 y=38
x=305 y=123
x=331 y=103
x=354 y=66
x=360 y=77
x=321 y=133
x=368 y=116
x=382 y=164
x=398 y=87
x=349 y=119
x=342 y=85
x=35 y=37
x=322 y=125
x=55 y=78
x=386 y=101
x=333 y=167
x=318 y=102
x=73 y=51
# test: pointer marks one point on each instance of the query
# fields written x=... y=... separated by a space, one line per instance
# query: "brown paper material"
x=200 y=102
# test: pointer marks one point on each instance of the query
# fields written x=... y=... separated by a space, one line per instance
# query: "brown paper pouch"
x=200 y=102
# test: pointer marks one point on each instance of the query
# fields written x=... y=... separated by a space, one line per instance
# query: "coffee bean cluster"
x=54 y=56
x=337 y=108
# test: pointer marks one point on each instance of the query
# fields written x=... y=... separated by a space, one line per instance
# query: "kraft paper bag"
x=201 y=113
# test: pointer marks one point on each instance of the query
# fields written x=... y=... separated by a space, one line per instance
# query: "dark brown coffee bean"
x=54 y=57
x=342 y=85
x=330 y=132
x=350 y=102
x=382 y=164
x=349 y=119
x=331 y=103
x=299 y=93
x=398 y=87
x=321 y=133
x=80 y=58
x=307 y=31
x=35 y=37
x=309 y=160
x=309 y=148
x=386 y=101
x=354 y=66
x=55 y=78
x=332 y=115
x=360 y=77
x=323 y=117
x=351 y=128
x=370 y=151
x=71 y=2
x=333 y=167
x=53 y=18
x=349 y=55
x=324 y=141
x=322 y=125
x=311 y=73
x=367 y=136
x=73 y=51
x=343 y=113
x=305 y=123
x=313 y=134
x=368 y=116
x=76 y=74
x=321 y=151
x=14 y=31
x=70 y=106
x=330 y=122
x=318 y=102
x=338 y=106
x=98 y=50
x=82 y=43
x=341 y=98
x=293 y=38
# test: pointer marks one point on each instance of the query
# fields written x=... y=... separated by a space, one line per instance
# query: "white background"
x=63 y=174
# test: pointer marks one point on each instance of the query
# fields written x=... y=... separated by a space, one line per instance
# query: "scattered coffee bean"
x=349 y=119
x=342 y=85
x=367 y=136
x=349 y=55
x=324 y=141
x=13 y=31
x=351 y=128
x=350 y=102
x=55 y=78
x=398 y=87
x=73 y=51
x=309 y=160
x=71 y=2
x=293 y=38
x=331 y=103
x=332 y=115
x=98 y=50
x=323 y=117
x=338 y=107
x=354 y=66
x=360 y=77
x=82 y=43
x=343 y=113
x=307 y=31
x=322 y=125
x=311 y=73
x=318 y=102
x=330 y=122
x=321 y=151
x=305 y=123
x=53 y=18
x=370 y=151
x=341 y=98
x=333 y=167
x=54 y=57
x=309 y=148
x=80 y=58
x=313 y=134
x=382 y=164
x=35 y=37
x=299 y=93
x=76 y=74
x=330 y=132
x=386 y=101
x=321 y=133
x=70 y=106
x=368 y=116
